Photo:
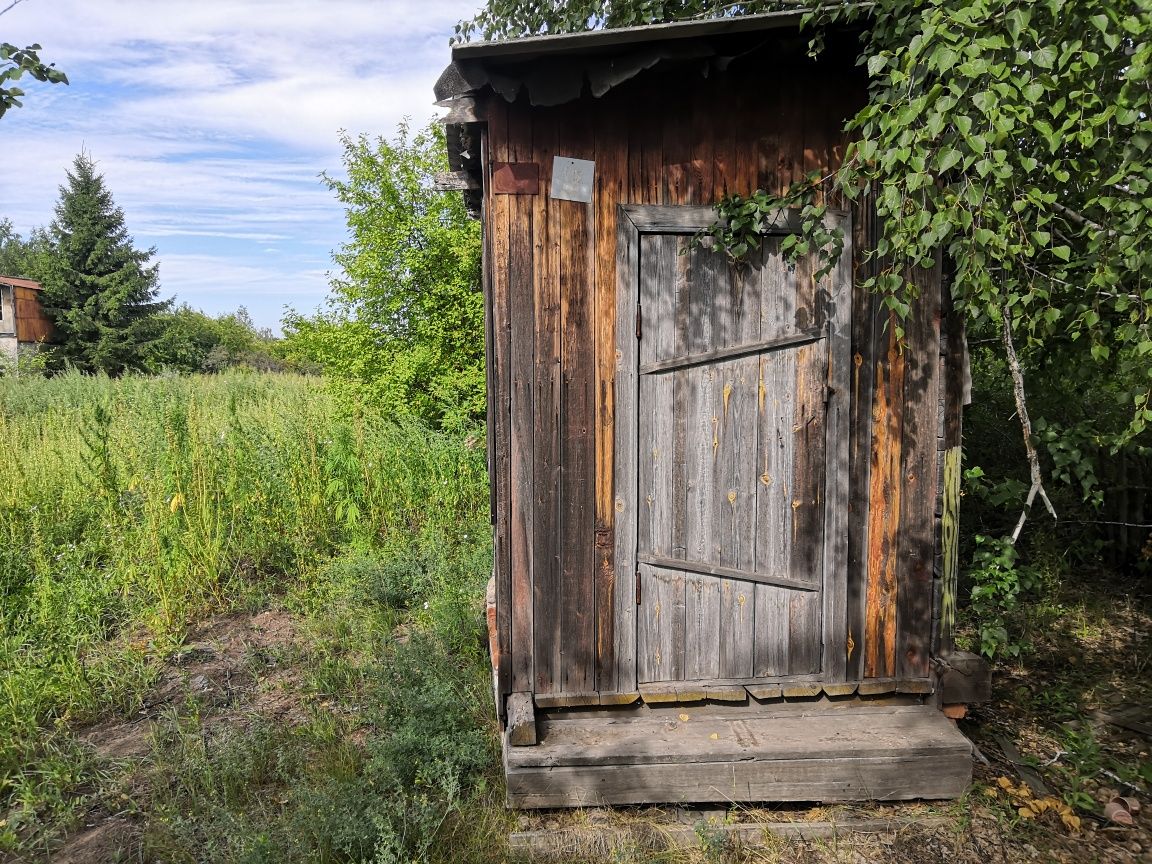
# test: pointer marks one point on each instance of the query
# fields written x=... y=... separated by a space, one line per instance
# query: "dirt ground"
x=232 y=667
x=236 y=668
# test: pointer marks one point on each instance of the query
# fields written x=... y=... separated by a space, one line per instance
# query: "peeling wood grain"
x=611 y=188
x=884 y=513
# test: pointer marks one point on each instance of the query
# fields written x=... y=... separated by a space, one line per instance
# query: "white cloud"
x=211 y=121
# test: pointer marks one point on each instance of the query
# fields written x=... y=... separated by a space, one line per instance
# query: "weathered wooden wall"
x=672 y=136
x=32 y=325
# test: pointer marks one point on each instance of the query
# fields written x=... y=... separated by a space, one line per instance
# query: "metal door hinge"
x=639 y=321
x=637 y=586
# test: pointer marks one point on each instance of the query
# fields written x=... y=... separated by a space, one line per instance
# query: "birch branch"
x=1026 y=426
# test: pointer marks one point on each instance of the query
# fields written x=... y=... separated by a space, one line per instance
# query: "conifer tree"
x=98 y=288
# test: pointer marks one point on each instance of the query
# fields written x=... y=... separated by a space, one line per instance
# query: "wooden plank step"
x=717 y=739
x=835 y=756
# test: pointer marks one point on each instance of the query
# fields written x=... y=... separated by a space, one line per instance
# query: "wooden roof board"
x=529 y=47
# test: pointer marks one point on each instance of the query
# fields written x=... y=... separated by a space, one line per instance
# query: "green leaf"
x=1044 y=57
x=948 y=158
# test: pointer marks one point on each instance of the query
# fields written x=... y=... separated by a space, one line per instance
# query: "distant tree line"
x=101 y=293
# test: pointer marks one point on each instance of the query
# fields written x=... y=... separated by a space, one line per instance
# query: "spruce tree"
x=98 y=288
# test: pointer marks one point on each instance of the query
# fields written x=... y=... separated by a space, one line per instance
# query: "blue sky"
x=211 y=121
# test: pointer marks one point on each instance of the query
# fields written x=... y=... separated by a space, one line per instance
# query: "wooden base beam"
x=521 y=720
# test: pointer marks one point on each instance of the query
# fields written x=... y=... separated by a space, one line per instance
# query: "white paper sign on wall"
x=572 y=179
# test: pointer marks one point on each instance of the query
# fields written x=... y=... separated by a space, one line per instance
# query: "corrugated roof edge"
x=536 y=46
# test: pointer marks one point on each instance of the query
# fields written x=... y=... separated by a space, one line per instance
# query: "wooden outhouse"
x=723 y=497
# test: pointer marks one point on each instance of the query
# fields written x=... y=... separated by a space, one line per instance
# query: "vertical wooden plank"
x=499 y=398
x=736 y=462
x=808 y=475
x=805 y=637
x=865 y=325
x=577 y=369
x=652 y=184
x=655 y=444
x=884 y=512
x=790 y=157
x=707 y=324
x=725 y=118
x=809 y=433
x=633 y=117
x=651 y=639
x=702 y=426
x=662 y=625
x=819 y=123
x=674 y=594
x=777 y=374
x=772 y=631
x=737 y=600
x=677 y=149
x=548 y=597
x=522 y=301
x=612 y=169
x=839 y=282
x=701 y=627
x=766 y=165
x=703 y=145
x=774 y=511
x=679 y=419
x=624 y=454
x=737 y=637
x=919 y=459
x=807 y=506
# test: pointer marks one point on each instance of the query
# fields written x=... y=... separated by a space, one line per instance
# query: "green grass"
x=132 y=508
x=135 y=511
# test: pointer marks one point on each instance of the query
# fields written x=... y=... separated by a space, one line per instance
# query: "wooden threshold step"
x=684 y=758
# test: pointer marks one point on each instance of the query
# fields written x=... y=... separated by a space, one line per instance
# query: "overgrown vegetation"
x=404 y=329
x=135 y=507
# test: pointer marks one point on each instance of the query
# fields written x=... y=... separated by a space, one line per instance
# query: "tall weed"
x=132 y=507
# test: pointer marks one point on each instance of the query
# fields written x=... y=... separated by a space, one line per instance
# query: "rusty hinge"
x=639 y=321
x=637 y=586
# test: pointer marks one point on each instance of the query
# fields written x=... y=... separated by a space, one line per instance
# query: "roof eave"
x=528 y=47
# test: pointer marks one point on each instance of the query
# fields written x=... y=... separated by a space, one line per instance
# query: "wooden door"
x=738 y=455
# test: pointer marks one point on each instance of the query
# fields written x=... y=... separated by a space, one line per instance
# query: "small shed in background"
x=724 y=498
x=23 y=324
